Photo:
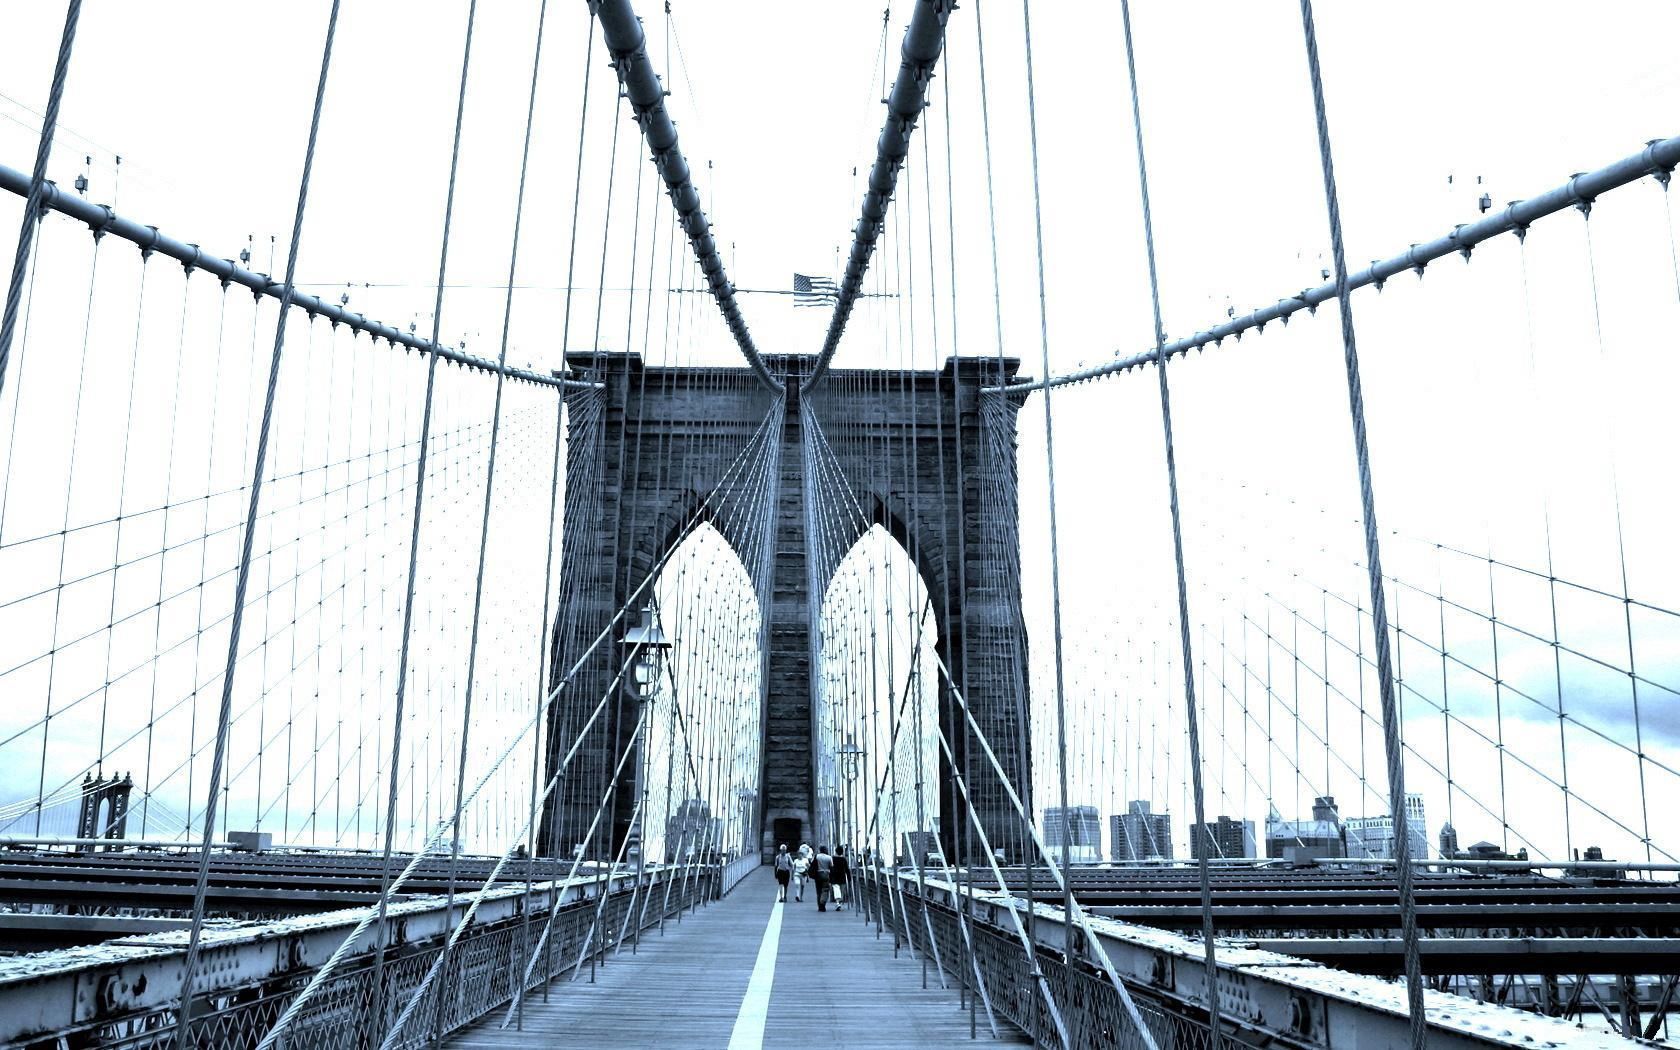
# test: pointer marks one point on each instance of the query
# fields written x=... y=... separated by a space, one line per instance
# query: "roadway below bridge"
x=54 y=899
x=1319 y=902
x=747 y=973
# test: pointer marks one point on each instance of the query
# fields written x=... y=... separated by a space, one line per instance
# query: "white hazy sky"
x=208 y=104
x=778 y=104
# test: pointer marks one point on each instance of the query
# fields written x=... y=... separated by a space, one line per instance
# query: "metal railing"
x=739 y=868
x=1266 y=998
x=1090 y=1007
x=349 y=1011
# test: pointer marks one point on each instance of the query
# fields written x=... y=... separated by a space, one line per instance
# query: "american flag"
x=814 y=291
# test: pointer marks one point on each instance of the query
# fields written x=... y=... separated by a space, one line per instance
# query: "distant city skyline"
x=1142 y=834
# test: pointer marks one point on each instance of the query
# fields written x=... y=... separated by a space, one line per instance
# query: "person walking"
x=837 y=878
x=801 y=869
x=822 y=870
x=784 y=871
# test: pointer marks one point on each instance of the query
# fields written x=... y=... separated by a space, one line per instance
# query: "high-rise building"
x=1139 y=834
x=1321 y=837
x=1373 y=837
x=749 y=818
x=1079 y=827
x=921 y=847
x=1449 y=841
x=691 y=831
x=1224 y=838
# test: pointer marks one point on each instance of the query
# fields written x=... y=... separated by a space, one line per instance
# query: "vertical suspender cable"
x=414 y=528
x=32 y=208
x=490 y=485
x=1050 y=476
x=542 y=679
x=1211 y=955
x=553 y=830
x=1017 y=656
x=243 y=577
x=1373 y=560
x=965 y=851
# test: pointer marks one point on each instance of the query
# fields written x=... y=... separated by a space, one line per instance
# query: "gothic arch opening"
x=878 y=702
x=701 y=744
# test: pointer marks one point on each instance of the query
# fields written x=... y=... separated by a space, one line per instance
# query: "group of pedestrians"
x=828 y=872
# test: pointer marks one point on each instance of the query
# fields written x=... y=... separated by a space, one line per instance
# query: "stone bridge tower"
x=656 y=447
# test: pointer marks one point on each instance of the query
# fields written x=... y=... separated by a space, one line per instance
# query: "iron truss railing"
x=124 y=994
x=1266 y=998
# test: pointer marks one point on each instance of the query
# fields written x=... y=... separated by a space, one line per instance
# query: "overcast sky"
x=1494 y=414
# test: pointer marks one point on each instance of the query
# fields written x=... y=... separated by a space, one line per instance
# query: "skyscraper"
x=1080 y=827
x=1373 y=837
x=1226 y=838
x=1139 y=834
x=690 y=830
x=921 y=848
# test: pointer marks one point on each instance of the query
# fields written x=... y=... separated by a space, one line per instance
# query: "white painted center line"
x=755 y=1005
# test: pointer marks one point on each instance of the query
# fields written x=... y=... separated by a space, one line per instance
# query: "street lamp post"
x=645 y=645
x=851 y=766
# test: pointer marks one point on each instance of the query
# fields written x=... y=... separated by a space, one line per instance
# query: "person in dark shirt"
x=837 y=877
x=822 y=872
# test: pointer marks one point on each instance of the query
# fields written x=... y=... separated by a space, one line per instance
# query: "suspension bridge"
x=444 y=654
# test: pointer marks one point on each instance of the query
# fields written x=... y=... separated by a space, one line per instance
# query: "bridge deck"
x=692 y=988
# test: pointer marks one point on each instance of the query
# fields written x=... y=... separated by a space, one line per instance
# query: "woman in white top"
x=801 y=865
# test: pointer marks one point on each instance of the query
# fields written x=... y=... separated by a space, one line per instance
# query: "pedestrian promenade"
x=745 y=973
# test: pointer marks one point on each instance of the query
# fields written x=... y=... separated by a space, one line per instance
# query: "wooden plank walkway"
x=835 y=985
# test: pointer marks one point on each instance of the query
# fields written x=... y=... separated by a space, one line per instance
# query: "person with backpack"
x=784 y=871
x=822 y=870
x=837 y=878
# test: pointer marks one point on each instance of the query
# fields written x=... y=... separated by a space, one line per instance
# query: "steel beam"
x=1511 y=914
x=1658 y=158
x=1479 y=955
x=281 y=883
x=102 y=220
x=622 y=31
x=1284 y=1000
x=919 y=54
x=45 y=994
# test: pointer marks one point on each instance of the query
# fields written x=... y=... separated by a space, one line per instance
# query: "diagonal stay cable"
x=34 y=207
x=436 y=837
x=1074 y=910
x=457 y=929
